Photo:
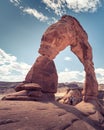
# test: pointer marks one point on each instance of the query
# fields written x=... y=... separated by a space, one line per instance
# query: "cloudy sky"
x=22 y=23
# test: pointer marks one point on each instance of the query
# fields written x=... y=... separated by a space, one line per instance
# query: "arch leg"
x=84 y=52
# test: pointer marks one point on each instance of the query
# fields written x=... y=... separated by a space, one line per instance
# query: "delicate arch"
x=42 y=77
x=68 y=32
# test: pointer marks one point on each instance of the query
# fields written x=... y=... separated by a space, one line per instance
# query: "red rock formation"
x=68 y=32
x=44 y=73
x=40 y=83
x=27 y=86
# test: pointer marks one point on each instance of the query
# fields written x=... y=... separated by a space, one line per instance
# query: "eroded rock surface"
x=31 y=115
x=43 y=72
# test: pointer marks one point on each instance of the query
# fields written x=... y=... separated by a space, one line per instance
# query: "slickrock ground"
x=31 y=115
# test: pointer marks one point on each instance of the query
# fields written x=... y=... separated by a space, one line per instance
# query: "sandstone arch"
x=66 y=32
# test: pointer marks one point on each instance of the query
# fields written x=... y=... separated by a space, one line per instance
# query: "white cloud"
x=66 y=70
x=11 y=69
x=100 y=71
x=60 y=6
x=69 y=76
x=15 y=2
x=6 y=58
x=67 y=58
x=56 y=5
x=51 y=20
x=100 y=75
x=36 y=14
x=83 y=5
x=40 y=16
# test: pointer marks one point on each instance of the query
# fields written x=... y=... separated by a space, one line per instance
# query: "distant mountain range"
x=8 y=87
x=8 y=84
x=73 y=85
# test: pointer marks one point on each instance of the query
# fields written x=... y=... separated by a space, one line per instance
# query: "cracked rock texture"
x=30 y=115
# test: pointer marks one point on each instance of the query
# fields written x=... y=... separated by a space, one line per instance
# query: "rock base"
x=92 y=109
x=30 y=115
x=26 y=95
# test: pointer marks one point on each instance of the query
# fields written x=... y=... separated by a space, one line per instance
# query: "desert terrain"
x=33 y=115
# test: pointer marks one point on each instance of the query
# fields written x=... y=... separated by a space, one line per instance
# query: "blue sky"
x=22 y=24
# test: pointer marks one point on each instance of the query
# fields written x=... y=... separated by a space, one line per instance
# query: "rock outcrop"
x=49 y=116
x=40 y=83
x=44 y=73
x=71 y=97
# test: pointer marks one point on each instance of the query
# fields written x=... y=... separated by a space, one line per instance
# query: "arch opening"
x=69 y=68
